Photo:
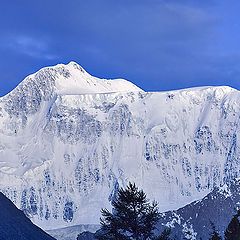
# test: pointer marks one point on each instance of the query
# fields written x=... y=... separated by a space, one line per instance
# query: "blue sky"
x=157 y=44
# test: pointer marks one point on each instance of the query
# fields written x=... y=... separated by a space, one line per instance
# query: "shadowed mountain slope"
x=14 y=225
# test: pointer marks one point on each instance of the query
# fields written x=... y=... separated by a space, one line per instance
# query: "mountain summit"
x=70 y=79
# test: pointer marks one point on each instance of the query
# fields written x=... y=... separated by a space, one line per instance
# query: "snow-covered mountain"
x=69 y=140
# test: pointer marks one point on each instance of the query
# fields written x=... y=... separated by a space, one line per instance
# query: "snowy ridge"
x=71 y=79
x=66 y=145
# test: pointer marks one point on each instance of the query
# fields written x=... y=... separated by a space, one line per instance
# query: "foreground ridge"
x=15 y=225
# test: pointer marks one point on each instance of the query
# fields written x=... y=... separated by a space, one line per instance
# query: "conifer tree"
x=233 y=229
x=133 y=217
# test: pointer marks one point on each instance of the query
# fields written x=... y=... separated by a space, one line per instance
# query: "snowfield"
x=68 y=141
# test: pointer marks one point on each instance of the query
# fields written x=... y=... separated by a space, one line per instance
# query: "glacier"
x=69 y=140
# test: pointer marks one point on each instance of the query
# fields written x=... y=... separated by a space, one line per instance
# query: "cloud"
x=29 y=46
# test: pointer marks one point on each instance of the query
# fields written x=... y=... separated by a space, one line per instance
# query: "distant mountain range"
x=68 y=140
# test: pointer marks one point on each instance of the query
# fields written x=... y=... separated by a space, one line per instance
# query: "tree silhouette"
x=132 y=216
x=233 y=230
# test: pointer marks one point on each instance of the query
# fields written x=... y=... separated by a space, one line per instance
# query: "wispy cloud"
x=29 y=46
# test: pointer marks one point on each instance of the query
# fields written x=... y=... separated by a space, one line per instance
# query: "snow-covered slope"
x=69 y=140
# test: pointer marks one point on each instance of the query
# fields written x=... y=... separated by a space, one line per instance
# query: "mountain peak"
x=75 y=65
x=74 y=80
x=71 y=65
x=68 y=79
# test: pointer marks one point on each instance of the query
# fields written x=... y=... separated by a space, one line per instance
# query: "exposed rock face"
x=69 y=140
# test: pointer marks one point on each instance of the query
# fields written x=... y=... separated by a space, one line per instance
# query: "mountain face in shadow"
x=14 y=225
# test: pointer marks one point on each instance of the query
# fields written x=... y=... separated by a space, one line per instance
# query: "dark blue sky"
x=158 y=45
